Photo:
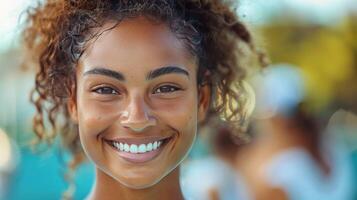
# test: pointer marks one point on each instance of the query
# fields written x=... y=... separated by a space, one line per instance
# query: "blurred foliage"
x=326 y=54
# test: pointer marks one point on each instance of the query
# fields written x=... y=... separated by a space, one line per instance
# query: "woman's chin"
x=139 y=184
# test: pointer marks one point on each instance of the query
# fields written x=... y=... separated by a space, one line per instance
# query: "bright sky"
x=255 y=11
x=313 y=11
x=10 y=11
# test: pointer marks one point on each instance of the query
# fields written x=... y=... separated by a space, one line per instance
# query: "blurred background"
x=303 y=126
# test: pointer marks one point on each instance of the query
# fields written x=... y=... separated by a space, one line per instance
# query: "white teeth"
x=142 y=148
x=126 y=148
x=149 y=147
x=133 y=148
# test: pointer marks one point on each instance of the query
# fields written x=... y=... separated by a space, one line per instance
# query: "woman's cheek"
x=182 y=115
x=95 y=117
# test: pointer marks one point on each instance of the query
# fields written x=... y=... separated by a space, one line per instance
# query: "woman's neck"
x=107 y=188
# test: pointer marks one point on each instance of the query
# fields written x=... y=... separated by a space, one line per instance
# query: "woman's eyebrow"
x=166 y=70
x=153 y=74
x=106 y=72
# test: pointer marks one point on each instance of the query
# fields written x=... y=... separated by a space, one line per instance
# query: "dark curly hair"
x=57 y=32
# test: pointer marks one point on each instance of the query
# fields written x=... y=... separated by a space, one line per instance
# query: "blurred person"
x=220 y=148
x=8 y=162
x=292 y=155
x=213 y=176
x=128 y=83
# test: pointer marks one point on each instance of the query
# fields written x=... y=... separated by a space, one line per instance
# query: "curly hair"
x=57 y=33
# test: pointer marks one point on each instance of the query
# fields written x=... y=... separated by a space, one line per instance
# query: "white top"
x=202 y=175
x=298 y=174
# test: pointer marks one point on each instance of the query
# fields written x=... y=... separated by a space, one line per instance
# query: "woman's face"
x=137 y=103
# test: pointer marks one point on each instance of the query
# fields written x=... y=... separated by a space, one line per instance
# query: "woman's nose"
x=137 y=116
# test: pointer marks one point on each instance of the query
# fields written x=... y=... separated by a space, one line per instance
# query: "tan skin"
x=129 y=104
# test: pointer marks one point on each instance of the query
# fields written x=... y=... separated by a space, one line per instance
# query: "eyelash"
x=171 y=89
x=100 y=91
x=156 y=91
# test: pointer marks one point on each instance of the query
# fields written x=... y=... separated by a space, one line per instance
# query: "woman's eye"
x=166 y=89
x=106 y=91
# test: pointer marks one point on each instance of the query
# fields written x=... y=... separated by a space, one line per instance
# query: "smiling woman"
x=134 y=80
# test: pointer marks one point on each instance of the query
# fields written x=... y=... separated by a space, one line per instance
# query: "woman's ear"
x=203 y=101
x=72 y=106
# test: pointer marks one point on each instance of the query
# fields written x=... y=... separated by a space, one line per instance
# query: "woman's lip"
x=140 y=158
x=138 y=141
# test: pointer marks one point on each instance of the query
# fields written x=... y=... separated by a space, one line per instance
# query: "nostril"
x=137 y=127
x=138 y=124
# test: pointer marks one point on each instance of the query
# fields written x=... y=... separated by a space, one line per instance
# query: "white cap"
x=279 y=90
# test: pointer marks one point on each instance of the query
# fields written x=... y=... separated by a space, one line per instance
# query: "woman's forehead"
x=136 y=44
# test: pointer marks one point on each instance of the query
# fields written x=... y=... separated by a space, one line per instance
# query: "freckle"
x=99 y=118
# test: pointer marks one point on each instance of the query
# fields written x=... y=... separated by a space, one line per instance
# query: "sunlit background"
x=319 y=37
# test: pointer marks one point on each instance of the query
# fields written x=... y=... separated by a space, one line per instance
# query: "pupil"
x=106 y=91
x=166 y=89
